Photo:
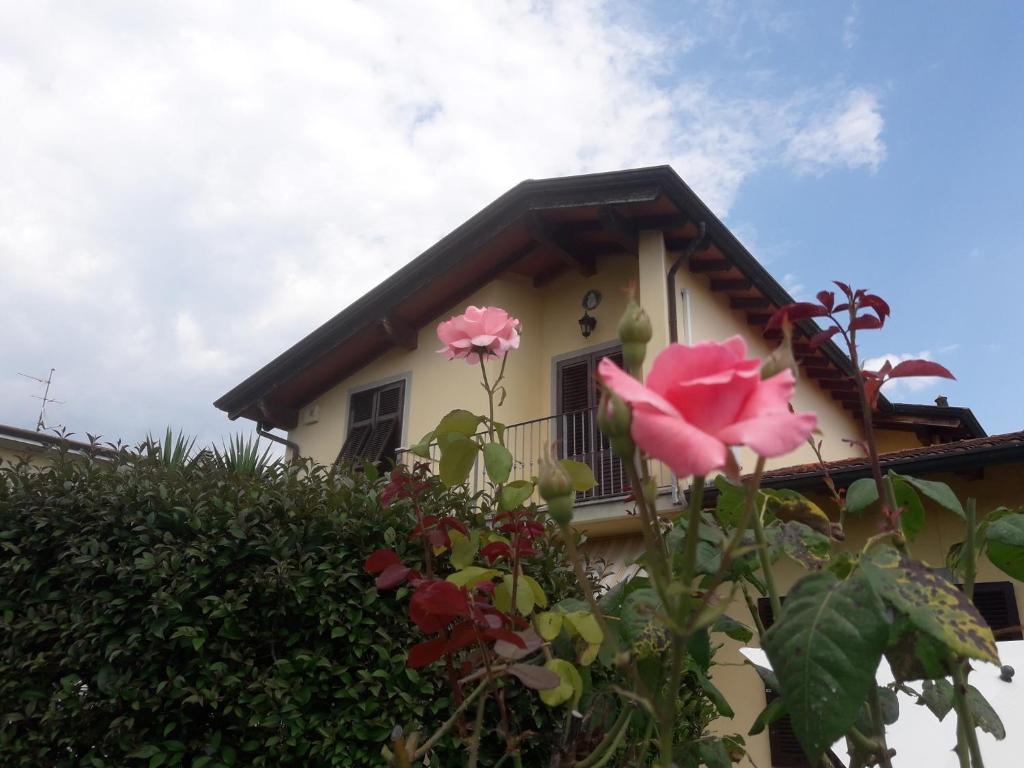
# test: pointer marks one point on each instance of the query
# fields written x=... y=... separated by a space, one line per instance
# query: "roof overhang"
x=538 y=229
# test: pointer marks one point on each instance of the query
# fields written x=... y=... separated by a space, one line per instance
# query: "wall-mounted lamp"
x=588 y=322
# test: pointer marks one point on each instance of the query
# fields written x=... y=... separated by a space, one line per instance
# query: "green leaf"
x=1005 y=539
x=824 y=649
x=497 y=462
x=776 y=708
x=714 y=694
x=458 y=456
x=464 y=548
x=638 y=610
x=422 y=448
x=861 y=494
x=515 y=494
x=714 y=754
x=538 y=591
x=582 y=476
x=938 y=492
x=586 y=625
x=789 y=505
x=730 y=627
x=930 y=602
x=912 y=516
x=984 y=715
x=503 y=596
x=458 y=422
x=731 y=498
x=889 y=704
x=800 y=542
x=937 y=695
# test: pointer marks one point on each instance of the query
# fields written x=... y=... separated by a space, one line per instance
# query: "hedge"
x=156 y=615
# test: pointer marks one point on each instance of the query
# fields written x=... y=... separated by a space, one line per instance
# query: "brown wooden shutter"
x=997 y=604
x=374 y=424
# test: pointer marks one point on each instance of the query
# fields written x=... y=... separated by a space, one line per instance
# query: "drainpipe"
x=262 y=432
x=673 y=323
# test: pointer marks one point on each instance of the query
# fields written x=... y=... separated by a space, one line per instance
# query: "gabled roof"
x=539 y=229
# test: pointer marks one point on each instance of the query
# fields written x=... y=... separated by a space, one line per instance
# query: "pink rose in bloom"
x=479 y=332
x=699 y=400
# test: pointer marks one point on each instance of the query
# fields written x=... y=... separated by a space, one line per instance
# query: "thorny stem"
x=652 y=539
x=667 y=716
x=491 y=389
x=478 y=726
x=609 y=742
x=966 y=734
x=692 y=532
x=569 y=536
x=447 y=724
x=766 y=565
x=879 y=726
x=754 y=615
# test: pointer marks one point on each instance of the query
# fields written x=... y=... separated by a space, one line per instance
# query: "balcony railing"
x=573 y=435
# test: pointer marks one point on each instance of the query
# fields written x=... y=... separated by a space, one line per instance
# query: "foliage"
x=157 y=612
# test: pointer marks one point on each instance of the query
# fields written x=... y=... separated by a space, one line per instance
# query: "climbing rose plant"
x=489 y=625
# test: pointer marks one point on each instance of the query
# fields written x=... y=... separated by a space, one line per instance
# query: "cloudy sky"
x=187 y=188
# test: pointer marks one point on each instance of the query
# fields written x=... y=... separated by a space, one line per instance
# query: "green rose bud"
x=634 y=333
x=613 y=419
x=555 y=487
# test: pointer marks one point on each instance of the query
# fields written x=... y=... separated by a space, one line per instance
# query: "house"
x=558 y=254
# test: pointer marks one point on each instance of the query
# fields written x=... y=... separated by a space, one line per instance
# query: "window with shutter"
x=374 y=424
x=578 y=435
x=997 y=604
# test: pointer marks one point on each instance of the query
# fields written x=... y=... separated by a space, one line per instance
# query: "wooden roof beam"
x=619 y=228
x=542 y=233
x=731 y=284
x=749 y=302
x=400 y=333
x=710 y=265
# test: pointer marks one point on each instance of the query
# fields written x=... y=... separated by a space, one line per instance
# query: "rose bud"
x=555 y=487
x=613 y=419
x=634 y=333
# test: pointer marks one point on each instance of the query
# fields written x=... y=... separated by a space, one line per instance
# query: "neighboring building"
x=17 y=444
x=369 y=381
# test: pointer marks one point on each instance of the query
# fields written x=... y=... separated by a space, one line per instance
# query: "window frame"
x=404 y=381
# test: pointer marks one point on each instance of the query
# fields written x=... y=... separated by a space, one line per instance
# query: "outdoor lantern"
x=588 y=322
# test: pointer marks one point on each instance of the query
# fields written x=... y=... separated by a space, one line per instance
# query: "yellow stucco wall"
x=1001 y=486
x=436 y=386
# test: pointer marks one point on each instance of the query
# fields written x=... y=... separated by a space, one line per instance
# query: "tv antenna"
x=48 y=381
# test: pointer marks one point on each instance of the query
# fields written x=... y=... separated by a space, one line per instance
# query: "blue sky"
x=190 y=187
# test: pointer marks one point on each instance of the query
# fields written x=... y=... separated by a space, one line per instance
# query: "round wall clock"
x=591 y=299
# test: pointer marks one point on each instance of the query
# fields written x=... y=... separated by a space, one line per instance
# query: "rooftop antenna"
x=41 y=421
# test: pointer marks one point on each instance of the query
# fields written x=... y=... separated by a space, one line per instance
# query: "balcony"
x=574 y=435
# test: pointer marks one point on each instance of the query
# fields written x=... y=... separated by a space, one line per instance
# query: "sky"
x=188 y=188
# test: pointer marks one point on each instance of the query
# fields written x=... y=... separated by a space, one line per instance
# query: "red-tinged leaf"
x=840 y=307
x=820 y=338
x=506 y=635
x=537 y=678
x=827 y=299
x=865 y=323
x=462 y=635
x=877 y=303
x=380 y=560
x=392 y=576
x=844 y=288
x=425 y=653
x=495 y=551
x=871 y=389
x=920 y=368
x=801 y=310
x=511 y=651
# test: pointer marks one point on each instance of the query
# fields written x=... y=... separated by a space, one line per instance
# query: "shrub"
x=153 y=614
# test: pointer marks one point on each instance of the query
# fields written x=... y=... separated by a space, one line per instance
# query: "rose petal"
x=683 y=447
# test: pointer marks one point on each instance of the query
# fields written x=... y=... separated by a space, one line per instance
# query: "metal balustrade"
x=573 y=435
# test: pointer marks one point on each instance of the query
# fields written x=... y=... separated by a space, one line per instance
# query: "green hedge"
x=159 y=616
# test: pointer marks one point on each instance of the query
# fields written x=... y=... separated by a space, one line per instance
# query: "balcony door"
x=578 y=435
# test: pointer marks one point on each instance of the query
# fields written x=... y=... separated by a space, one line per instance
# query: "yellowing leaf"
x=586 y=625
x=471 y=576
x=549 y=624
x=464 y=548
x=569 y=690
x=538 y=592
x=589 y=654
x=790 y=505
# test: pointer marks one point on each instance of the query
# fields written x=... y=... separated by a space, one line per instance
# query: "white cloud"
x=849 y=136
x=188 y=188
x=904 y=387
x=850 y=23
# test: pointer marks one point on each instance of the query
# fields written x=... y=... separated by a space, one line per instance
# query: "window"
x=578 y=436
x=374 y=424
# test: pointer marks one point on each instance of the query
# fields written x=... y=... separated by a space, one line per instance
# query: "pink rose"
x=699 y=400
x=477 y=333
